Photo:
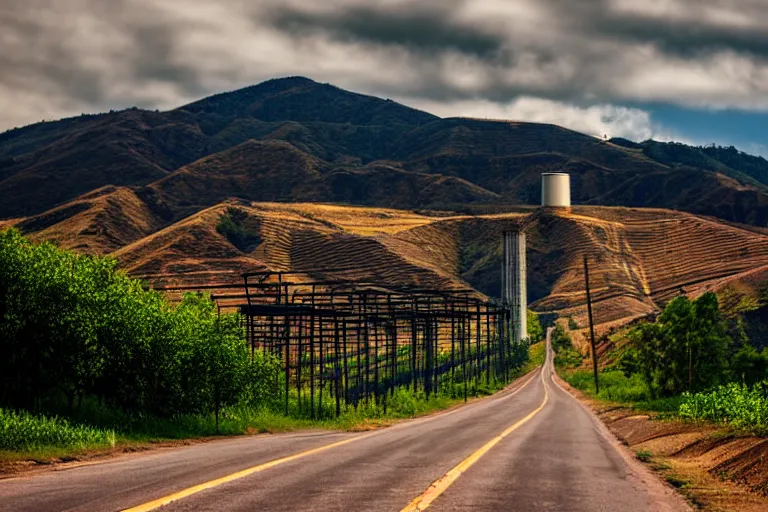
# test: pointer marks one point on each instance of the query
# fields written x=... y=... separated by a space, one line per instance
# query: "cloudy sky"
x=688 y=70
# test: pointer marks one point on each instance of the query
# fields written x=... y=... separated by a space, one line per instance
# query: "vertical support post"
x=376 y=353
x=287 y=361
x=337 y=372
x=312 y=365
x=514 y=282
x=299 y=358
x=436 y=336
x=414 y=334
x=321 y=368
x=453 y=349
x=591 y=325
x=346 y=363
x=463 y=358
x=428 y=357
x=367 y=387
x=487 y=347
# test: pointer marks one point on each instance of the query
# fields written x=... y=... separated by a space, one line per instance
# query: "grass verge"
x=94 y=429
x=40 y=438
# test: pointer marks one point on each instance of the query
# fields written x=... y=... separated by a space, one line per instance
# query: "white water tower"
x=555 y=190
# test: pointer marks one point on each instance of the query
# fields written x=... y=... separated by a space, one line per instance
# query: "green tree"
x=708 y=358
x=218 y=358
x=535 y=330
x=749 y=366
x=678 y=325
x=73 y=325
x=560 y=338
x=686 y=350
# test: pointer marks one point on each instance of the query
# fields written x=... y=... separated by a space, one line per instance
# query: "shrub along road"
x=530 y=447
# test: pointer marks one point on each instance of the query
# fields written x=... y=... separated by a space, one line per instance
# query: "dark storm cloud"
x=59 y=58
x=686 y=38
x=84 y=61
x=427 y=28
x=588 y=37
x=153 y=58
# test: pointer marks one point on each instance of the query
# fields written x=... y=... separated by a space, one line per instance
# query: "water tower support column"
x=513 y=282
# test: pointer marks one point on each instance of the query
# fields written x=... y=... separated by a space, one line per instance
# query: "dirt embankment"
x=716 y=469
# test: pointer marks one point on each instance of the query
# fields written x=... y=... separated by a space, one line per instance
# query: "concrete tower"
x=513 y=281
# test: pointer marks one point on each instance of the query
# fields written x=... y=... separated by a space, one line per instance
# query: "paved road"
x=531 y=447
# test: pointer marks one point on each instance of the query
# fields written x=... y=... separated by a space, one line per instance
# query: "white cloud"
x=597 y=120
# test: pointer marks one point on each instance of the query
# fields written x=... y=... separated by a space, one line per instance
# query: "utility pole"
x=591 y=326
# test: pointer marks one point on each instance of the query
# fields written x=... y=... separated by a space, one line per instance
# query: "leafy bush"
x=232 y=226
x=736 y=404
x=560 y=339
x=24 y=431
x=74 y=326
x=685 y=350
x=617 y=387
x=535 y=330
x=643 y=455
x=749 y=366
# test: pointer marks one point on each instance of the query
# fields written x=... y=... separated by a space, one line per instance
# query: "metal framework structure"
x=344 y=344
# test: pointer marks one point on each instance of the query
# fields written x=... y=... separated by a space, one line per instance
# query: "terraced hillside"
x=321 y=241
x=640 y=258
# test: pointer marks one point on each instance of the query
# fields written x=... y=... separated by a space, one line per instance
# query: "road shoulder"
x=687 y=457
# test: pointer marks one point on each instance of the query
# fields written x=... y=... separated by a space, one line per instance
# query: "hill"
x=640 y=258
x=294 y=139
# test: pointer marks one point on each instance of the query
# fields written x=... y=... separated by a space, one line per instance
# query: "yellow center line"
x=165 y=500
x=440 y=485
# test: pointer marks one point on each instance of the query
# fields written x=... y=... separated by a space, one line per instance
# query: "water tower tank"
x=555 y=189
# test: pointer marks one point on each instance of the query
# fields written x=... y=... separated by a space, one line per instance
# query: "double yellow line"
x=419 y=503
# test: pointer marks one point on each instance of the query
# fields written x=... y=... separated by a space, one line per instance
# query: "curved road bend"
x=532 y=447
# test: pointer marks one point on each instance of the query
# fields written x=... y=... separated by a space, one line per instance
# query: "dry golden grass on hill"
x=96 y=223
x=640 y=258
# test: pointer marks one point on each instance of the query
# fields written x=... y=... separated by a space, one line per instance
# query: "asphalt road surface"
x=530 y=447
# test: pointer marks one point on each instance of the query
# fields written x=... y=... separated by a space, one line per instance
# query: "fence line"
x=343 y=345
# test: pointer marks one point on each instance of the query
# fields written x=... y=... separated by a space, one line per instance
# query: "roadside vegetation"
x=22 y=431
x=91 y=359
x=737 y=404
x=693 y=362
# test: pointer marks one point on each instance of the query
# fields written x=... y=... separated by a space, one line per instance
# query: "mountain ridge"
x=363 y=150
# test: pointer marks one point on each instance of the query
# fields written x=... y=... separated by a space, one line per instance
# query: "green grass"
x=22 y=431
x=616 y=387
x=678 y=482
x=735 y=405
x=537 y=353
x=92 y=427
x=643 y=455
x=568 y=358
x=24 y=436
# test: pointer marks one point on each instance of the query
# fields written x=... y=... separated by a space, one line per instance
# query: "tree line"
x=73 y=326
x=691 y=348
